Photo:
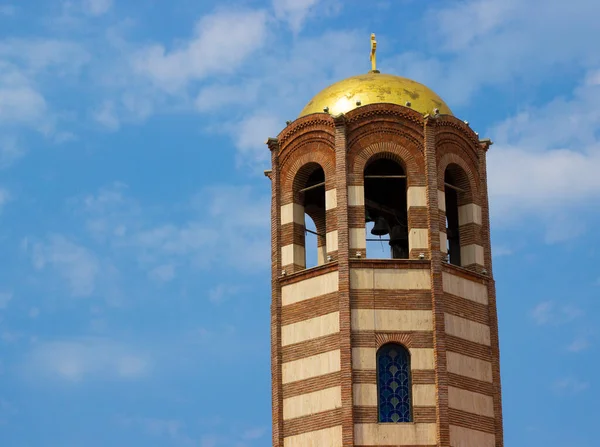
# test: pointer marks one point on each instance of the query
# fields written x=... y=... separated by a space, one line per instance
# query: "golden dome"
x=373 y=88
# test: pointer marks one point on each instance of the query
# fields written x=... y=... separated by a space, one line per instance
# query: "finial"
x=373 y=53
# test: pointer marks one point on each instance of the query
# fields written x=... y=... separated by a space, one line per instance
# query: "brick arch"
x=302 y=176
x=453 y=159
x=298 y=183
x=386 y=156
x=411 y=163
x=294 y=165
x=382 y=339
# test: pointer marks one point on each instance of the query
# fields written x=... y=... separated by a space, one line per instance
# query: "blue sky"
x=134 y=216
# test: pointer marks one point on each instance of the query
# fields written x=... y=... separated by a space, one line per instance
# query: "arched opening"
x=310 y=194
x=456 y=188
x=394 y=383
x=386 y=218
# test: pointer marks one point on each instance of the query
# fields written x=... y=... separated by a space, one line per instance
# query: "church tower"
x=389 y=337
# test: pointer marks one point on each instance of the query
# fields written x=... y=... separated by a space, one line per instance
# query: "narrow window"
x=452 y=227
x=393 y=383
x=312 y=196
x=456 y=189
x=385 y=210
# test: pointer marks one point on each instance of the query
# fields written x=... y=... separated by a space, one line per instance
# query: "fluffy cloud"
x=548 y=313
x=10 y=151
x=294 y=12
x=224 y=226
x=86 y=358
x=4 y=197
x=106 y=116
x=97 y=7
x=221 y=42
x=41 y=57
x=570 y=385
x=232 y=232
x=162 y=273
x=252 y=134
x=74 y=263
x=545 y=162
x=479 y=43
x=20 y=102
x=222 y=292
x=5 y=298
x=159 y=427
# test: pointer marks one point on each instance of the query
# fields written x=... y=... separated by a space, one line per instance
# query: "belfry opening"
x=385 y=209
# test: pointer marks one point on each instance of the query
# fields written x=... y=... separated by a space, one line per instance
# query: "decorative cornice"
x=455 y=123
x=384 y=110
x=305 y=123
x=485 y=144
x=340 y=120
x=272 y=143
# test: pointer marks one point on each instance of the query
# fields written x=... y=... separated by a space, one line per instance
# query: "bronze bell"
x=381 y=227
x=399 y=233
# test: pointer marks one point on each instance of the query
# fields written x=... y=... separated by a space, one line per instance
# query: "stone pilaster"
x=341 y=169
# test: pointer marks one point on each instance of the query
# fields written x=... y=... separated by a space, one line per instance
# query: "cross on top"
x=373 y=53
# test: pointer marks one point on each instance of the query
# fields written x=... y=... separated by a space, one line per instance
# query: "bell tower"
x=391 y=339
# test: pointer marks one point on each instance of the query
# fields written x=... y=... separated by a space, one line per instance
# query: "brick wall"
x=328 y=321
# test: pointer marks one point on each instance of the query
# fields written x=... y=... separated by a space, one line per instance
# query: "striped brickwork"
x=469 y=358
x=329 y=321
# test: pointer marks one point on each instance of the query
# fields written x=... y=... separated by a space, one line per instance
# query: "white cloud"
x=38 y=57
x=221 y=42
x=5 y=197
x=163 y=273
x=158 y=427
x=254 y=433
x=75 y=263
x=106 y=116
x=294 y=12
x=545 y=162
x=252 y=133
x=547 y=312
x=579 y=344
x=462 y=24
x=570 y=385
x=108 y=213
x=97 y=7
x=219 y=96
x=222 y=292
x=229 y=227
x=223 y=226
x=5 y=298
x=20 y=102
x=10 y=151
x=501 y=250
x=86 y=358
x=497 y=43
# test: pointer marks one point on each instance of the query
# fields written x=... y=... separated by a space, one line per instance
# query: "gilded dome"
x=373 y=88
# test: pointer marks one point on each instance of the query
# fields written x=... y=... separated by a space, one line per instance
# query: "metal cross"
x=373 y=52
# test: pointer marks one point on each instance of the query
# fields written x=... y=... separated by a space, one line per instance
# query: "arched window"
x=456 y=188
x=385 y=210
x=393 y=383
x=310 y=194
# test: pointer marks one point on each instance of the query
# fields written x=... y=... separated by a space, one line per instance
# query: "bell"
x=381 y=227
x=398 y=234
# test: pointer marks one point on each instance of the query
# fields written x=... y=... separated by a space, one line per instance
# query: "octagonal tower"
x=388 y=336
